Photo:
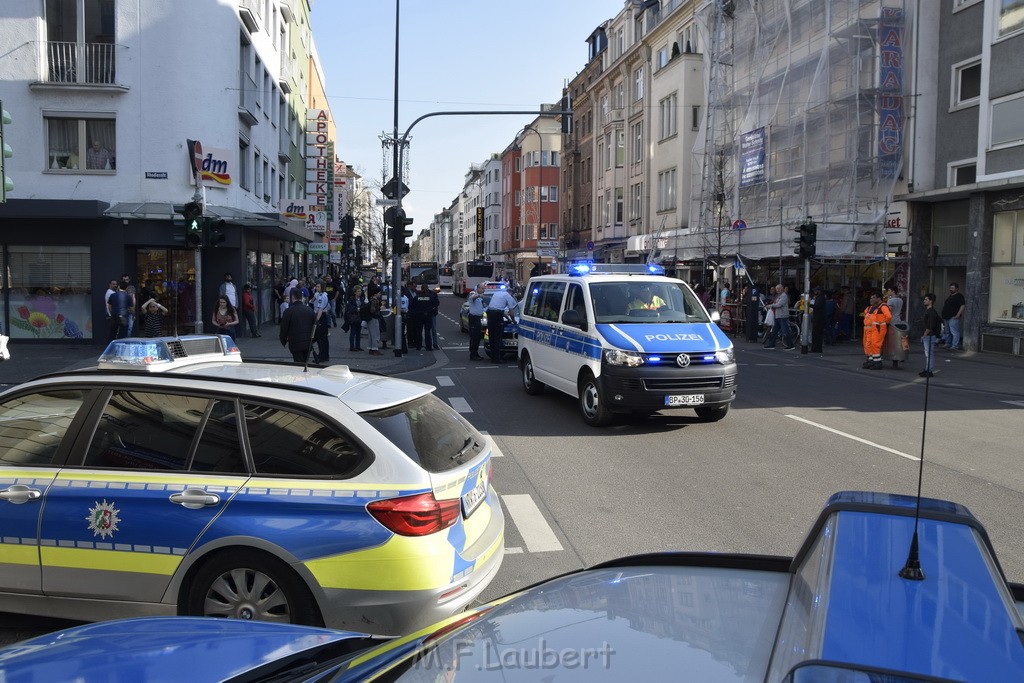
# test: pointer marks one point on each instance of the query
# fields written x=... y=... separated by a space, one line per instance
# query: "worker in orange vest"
x=876 y=321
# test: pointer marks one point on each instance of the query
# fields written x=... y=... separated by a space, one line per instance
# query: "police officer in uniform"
x=501 y=303
x=476 y=326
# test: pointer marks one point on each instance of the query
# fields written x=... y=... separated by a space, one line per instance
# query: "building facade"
x=104 y=97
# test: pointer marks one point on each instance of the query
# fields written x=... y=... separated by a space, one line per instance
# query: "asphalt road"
x=802 y=428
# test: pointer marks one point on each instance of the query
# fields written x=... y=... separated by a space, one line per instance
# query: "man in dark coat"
x=297 y=328
x=819 y=317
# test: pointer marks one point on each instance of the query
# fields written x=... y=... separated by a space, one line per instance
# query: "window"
x=620 y=147
x=636 y=207
x=618 y=206
x=549 y=193
x=667 y=190
x=1006 y=303
x=49 y=292
x=605 y=106
x=638 y=142
x=638 y=84
x=963 y=174
x=80 y=41
x=555 y=158
x=32 y=427
x=1008 y=119
x=243 y=165
x=966 y=83
x=292 y=444
x=545 y=301
x=519 y=164
x=81 y=145
x=667 y=117
x=620 y=95
x=1011 y=16
x=695 y=117
x=662 y=58
x=576 y=301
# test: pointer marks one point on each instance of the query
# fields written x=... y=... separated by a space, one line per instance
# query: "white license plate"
x=685 y=400
x=471 y=501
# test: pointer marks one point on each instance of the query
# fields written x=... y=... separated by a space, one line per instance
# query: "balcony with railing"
x=72 y=63
x=247 y=100
x=284 y=74
x=251 y=13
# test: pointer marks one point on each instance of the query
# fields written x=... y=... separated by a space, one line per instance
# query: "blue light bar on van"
x=581 y=269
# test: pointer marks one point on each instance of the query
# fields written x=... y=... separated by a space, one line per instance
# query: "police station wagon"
x=624 y=338
x=175 y=479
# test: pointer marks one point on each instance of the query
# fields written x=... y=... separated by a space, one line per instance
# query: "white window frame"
x=638 y=143
x=668 y=124
x=636 y=206
x=667 y=190
x=991 y=114
x=953 y=166
x=955 y=103
x=963 y=4
x=638 y=84
x=997 y=36
x=82 y=118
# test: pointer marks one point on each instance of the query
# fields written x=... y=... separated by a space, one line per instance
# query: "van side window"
x=575 y=301
x=545 y=300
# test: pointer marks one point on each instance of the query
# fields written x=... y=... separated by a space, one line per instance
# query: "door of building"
x=170 y=274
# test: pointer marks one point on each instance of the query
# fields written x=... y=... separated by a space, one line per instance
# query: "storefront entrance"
x=170 y=276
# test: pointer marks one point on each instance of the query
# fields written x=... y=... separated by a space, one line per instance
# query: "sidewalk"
x=993 y=372
x=30 y=360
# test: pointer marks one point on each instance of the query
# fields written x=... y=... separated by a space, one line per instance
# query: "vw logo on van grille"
x=682 y=360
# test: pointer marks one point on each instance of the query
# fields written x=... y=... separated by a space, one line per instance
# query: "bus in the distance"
x=415 y=272
x=467 y=274
x=444 y=278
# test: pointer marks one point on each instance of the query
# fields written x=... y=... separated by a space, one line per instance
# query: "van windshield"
x=645 y=301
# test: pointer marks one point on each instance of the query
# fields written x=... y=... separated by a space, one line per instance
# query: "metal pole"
x=396 y=258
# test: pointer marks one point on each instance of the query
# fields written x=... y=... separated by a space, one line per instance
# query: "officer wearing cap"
x=501 y=303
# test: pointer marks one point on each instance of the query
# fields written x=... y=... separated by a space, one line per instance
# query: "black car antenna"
x=912 y=569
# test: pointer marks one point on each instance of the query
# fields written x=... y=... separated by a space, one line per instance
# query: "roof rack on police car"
x=616 y=268
x=157 y=354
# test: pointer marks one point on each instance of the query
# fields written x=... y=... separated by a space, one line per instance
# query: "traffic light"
x=214 y=231
x=6 y=184
x=396 y=218
x=194 y=228
x=348 y=224
x=359 y=250
x=566 y=118
x=806 y=243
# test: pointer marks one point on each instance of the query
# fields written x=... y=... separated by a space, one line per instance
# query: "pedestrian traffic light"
x=214 y=231
x=396 y=218
x=808 y=236
x=348 y=224
x=359 y=249
x=194 y=228
x=6 y=184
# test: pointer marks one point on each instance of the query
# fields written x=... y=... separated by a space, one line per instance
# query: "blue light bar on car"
x=136 y=352
x=155 y=354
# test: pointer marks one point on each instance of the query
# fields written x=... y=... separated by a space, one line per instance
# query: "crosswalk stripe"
x=1015 y=403
x=530 y=522
x=445 y=381
x=460 y=404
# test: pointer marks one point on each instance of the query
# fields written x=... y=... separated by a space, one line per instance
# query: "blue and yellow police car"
x=174 y=479
x=623 y=338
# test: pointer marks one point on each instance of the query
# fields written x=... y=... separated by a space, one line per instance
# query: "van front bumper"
x=648 y=387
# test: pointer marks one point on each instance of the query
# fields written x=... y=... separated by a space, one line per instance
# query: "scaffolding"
x=805 y=117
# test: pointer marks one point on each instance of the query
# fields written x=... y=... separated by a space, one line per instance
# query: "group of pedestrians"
x=126 y=318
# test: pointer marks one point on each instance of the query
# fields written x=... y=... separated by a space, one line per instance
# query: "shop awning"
x=269 y=225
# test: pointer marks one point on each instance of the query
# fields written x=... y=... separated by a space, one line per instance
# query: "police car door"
x=157 y=470
x=576 y=341
x=35 y=434
x=543 y=305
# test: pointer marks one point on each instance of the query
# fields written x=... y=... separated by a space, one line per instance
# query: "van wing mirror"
x=572 y=317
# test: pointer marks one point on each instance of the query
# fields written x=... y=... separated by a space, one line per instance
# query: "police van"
x=623 y=338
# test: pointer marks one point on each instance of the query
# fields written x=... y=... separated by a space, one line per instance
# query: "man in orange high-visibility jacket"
x=876 y=321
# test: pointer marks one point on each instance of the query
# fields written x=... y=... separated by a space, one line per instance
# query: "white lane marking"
x=1015 y=403
x=460 y=404
x=513 y=551
x=495 y=451
x=445 y=381
x=856 y=438
x=531 y=524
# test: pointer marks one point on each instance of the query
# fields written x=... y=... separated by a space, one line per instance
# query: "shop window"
x=50 y=292
x=79 y=144
x=1006 y=293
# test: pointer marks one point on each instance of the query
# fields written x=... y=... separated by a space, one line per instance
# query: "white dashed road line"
x=856 y=438
x=531 y=524
x=445 y=381
x=1015 y=403
x=460 y=404
x=513 y=551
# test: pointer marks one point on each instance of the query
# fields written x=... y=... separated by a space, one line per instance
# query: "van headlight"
x=630 y=359
x=726 y=356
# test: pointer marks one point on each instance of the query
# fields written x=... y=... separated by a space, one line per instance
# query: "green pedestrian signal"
x=194 y=225
x=6 y=184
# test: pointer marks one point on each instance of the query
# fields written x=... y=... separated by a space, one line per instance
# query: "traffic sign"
x=547 y=252
x=386 y=202
x=547 y=243
x=739 y=224
x=590 y=246
x=394 y=189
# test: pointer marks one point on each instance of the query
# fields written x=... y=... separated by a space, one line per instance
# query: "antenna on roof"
x=912 y=569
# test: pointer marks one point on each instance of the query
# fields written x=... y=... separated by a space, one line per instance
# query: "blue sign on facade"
x=890 y=98
x=752 y=157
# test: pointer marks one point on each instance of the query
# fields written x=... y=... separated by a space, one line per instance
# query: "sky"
x=454 y=55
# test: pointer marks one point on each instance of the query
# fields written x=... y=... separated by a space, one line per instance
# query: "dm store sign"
x=216 y=167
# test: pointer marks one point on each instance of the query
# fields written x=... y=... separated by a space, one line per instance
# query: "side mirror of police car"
x=715 y=316
x=572 y=317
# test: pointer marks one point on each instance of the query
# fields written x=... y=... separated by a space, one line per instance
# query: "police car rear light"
x=165 y=353
x=418 y=515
